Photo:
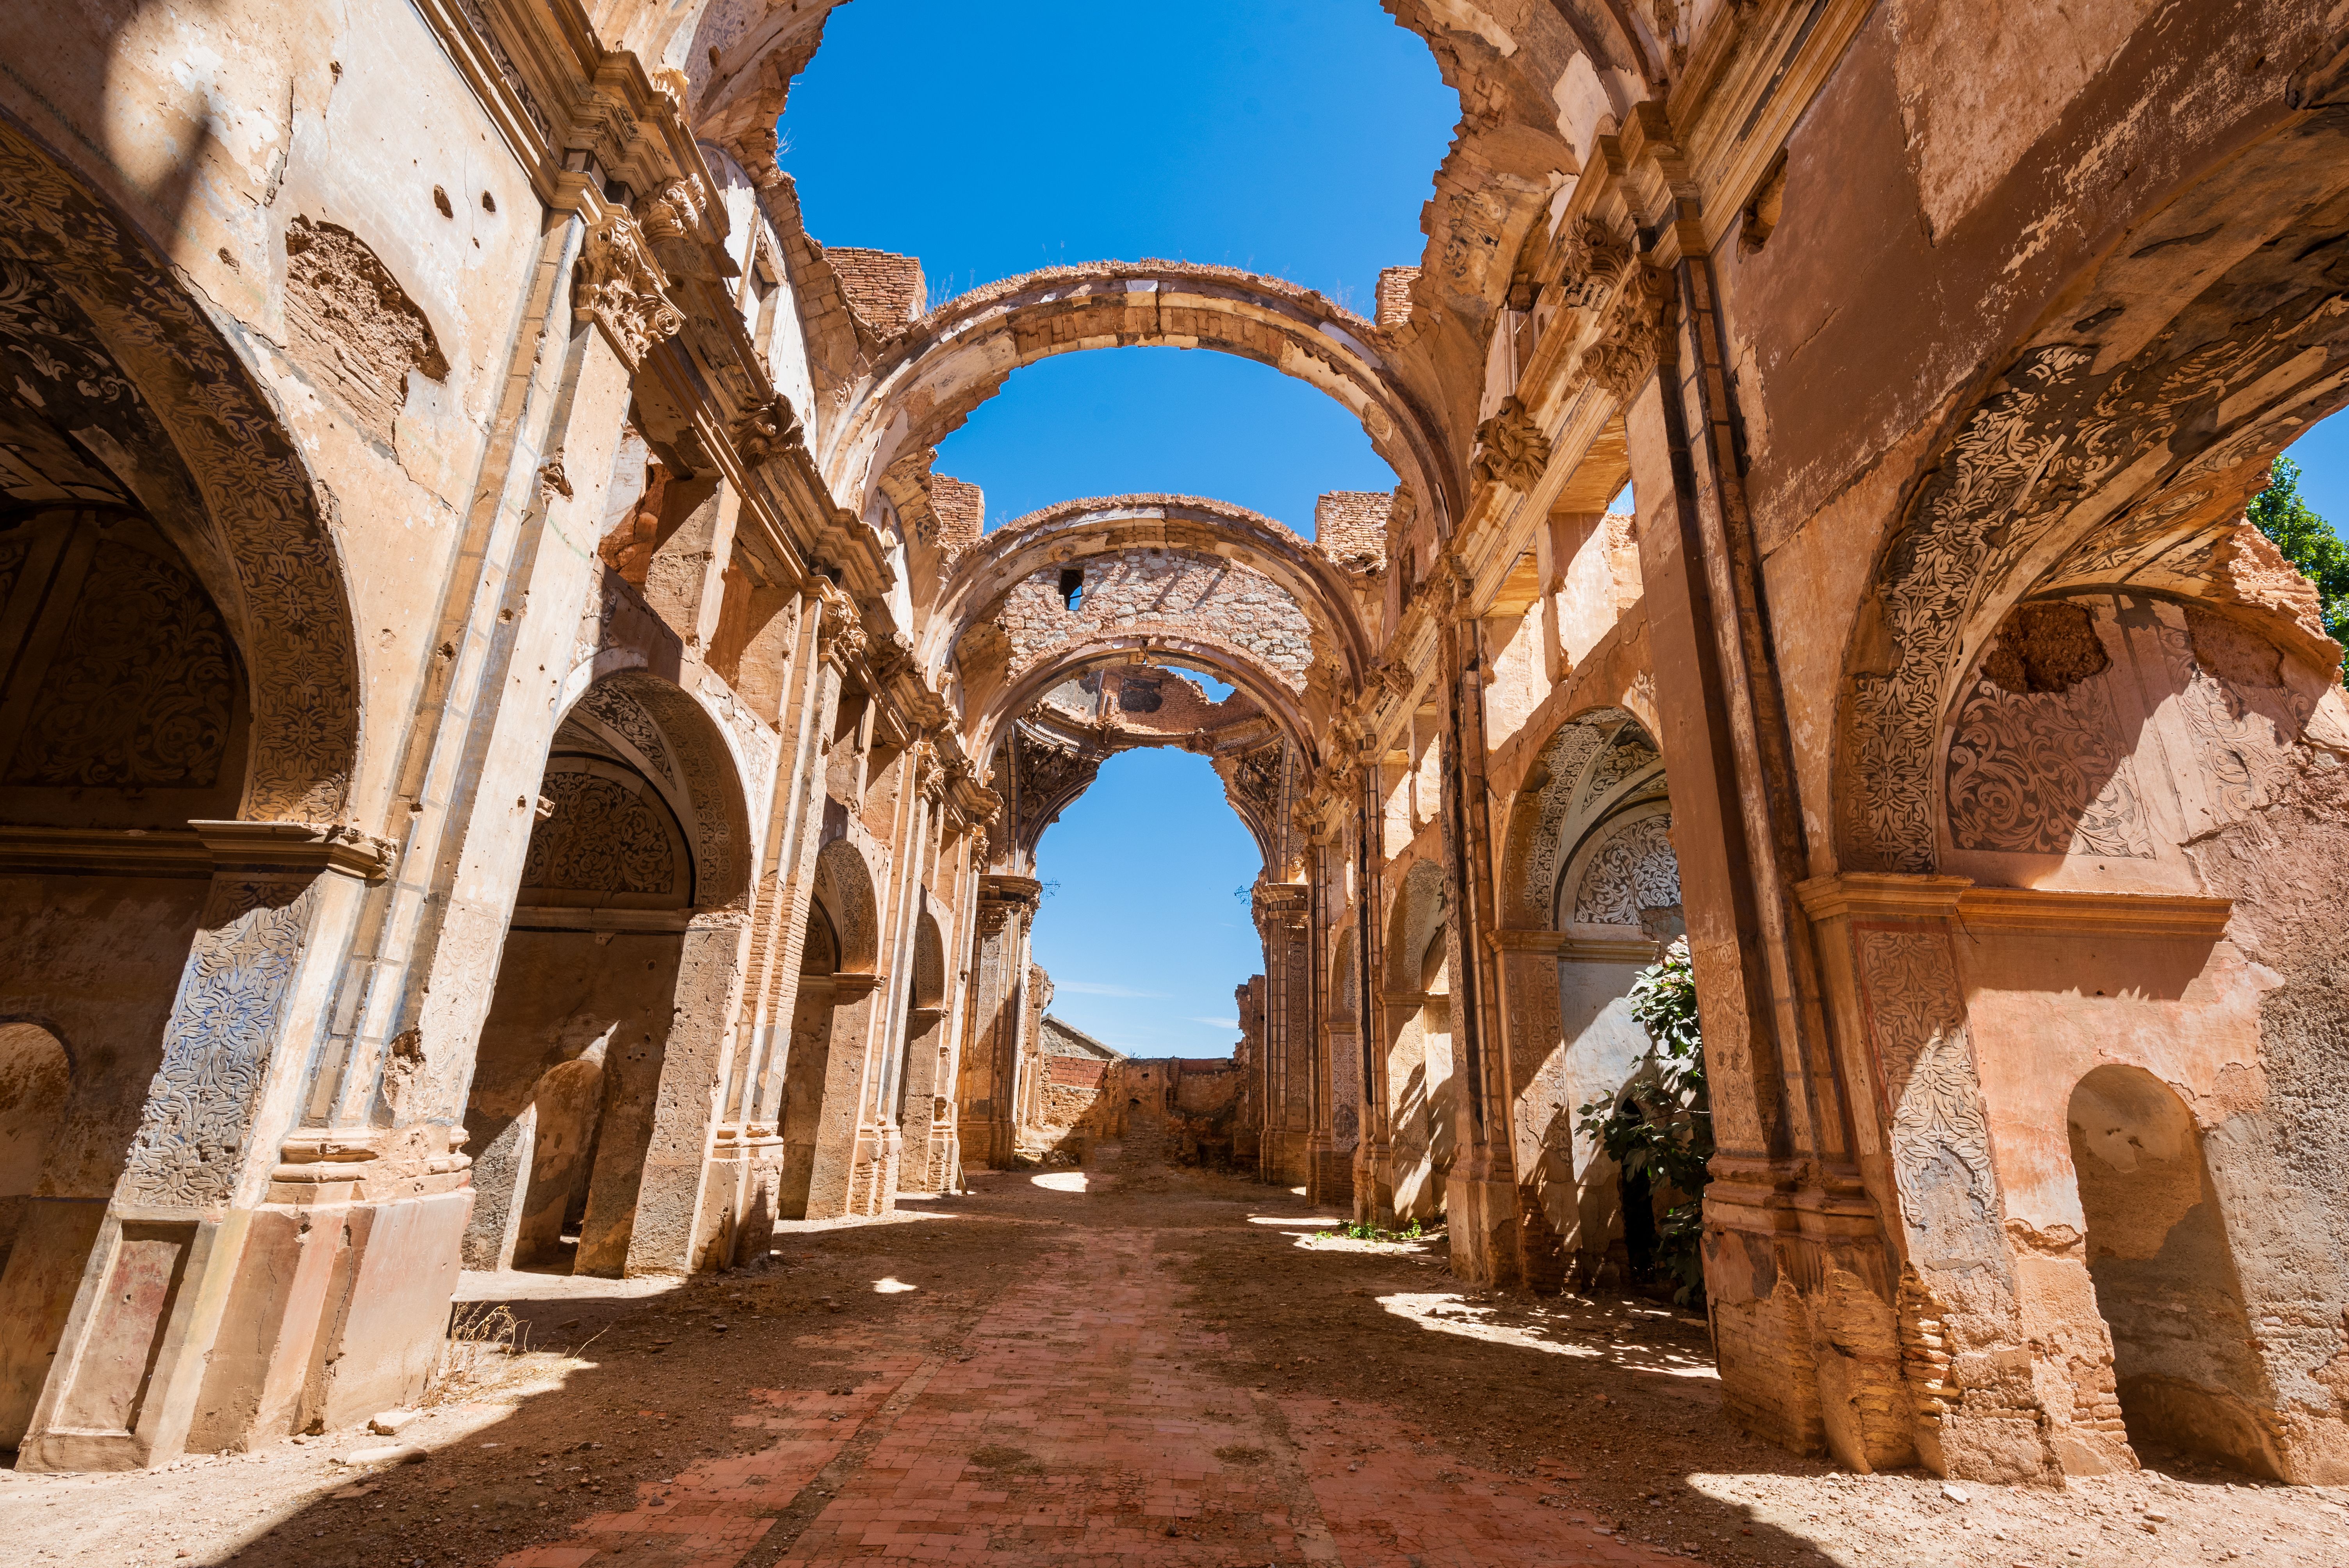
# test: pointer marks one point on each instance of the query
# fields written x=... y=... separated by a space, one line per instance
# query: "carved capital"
x=840 y=634
x=1594 y=257
x=1510 y=449
x=1633 y=336
x=620 y=286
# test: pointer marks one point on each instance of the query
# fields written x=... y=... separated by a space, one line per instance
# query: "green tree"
x=1671 y=1139
x=2308 y=542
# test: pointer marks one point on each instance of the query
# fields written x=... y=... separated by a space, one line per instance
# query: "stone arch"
x=206 y=459
x=845 y=883
x=1097 y=650
x=1594 y=764
x=2115 y=448
x=925 y=1125
x=2165 y=1281
x=665 y=735
x=739 y=57
x=1590 y=879
x=1077 y=531
x=929 y=377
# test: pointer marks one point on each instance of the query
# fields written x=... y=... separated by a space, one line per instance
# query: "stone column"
x=775 y=1000
x=992 y=1034
x=1480 y=1195
x=188 y=1261
x=832 y=1183
x=1541 y=1111
x=1374 y=1153
x=1284 y=919
x=677 y=1228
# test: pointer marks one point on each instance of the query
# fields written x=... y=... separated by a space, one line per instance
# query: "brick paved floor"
x=1080 y=1423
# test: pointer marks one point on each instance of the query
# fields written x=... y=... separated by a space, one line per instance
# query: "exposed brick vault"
x=512 y=760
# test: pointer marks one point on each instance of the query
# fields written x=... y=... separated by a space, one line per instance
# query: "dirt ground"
x=1088 y=1366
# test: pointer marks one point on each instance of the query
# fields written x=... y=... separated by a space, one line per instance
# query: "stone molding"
x=296 y=847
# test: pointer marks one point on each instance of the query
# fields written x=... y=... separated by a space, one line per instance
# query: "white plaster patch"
x=1581 y=104
x=1462 y=17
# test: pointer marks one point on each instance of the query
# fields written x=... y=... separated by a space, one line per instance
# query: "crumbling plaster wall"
x=285 y=121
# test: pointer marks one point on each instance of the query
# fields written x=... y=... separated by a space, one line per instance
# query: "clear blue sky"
x=1296 y=138
x=1300 y=139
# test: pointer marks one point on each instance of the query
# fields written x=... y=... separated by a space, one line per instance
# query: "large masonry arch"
x=934 y=373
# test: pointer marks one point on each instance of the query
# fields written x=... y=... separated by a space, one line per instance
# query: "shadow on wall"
x=2165 y=1282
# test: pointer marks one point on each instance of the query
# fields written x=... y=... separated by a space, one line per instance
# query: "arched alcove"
x=639 y=825
x=2165 y=1273
x=923 y=1163
x=1420 y=1090
x=824 y=1084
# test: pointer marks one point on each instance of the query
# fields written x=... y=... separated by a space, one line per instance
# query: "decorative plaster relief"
x=602 y=837
x=1631 y=870
x=1932 y=1093
x=139 y=692
x=217 y=1047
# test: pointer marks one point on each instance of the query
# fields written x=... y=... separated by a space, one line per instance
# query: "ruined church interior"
x=1792 y=1003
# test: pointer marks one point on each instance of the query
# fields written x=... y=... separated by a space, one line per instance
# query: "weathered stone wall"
x=1136 y=592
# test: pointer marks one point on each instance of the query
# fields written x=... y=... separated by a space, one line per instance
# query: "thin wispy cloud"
x=1219 y=1023
x=1093 y=988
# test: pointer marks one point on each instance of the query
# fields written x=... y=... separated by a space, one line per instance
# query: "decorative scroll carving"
x=671 y=212
x=610 y=706
x=1631 y=752
x=840 y=635
x=507 y=68
x=1633 y=336
x=1045 y=779
x=1926 y=1075
x=1594 y=257
x=218 y=1045
x=2043 y=773
x=621 y=288
x=256 y=493
x=1631 y=870
x=1566 y=758
x=601 y=837
x=2054 y=432
x=1255 y=789
x=139 y=692
x=1511 y=448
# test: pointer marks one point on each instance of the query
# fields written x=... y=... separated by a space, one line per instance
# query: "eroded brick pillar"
x=681 y=1224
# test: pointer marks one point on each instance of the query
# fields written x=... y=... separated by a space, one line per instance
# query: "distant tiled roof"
x=1063 y=1039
